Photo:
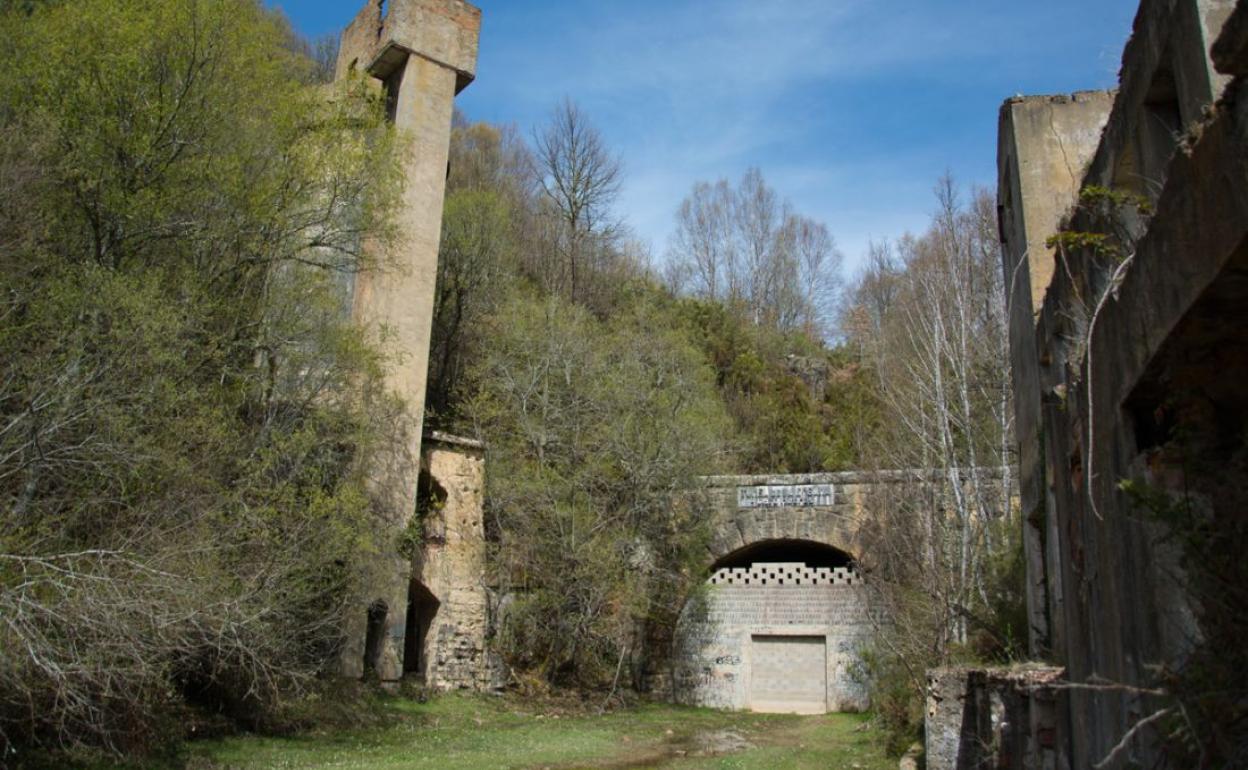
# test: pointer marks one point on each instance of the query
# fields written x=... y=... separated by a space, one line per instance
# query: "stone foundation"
x=449 y=569
x=993 y=718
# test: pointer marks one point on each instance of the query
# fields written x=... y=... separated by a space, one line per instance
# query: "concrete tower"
x=422 y=53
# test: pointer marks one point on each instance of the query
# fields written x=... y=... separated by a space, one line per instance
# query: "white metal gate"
x=789 y=674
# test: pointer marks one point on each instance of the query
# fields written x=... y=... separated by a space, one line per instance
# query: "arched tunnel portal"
x=782 y=617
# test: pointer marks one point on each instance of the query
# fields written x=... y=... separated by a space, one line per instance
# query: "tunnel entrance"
x=807 y=552
x=778 y=628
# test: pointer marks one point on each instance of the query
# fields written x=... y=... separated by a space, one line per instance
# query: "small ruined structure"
x=439 y=639
x=1124 y=219
x=993 y=718
x=429 y=615
x=444 y=639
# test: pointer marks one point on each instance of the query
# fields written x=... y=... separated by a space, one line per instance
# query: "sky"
x=851 y=108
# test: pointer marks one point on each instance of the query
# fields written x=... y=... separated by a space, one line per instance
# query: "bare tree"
x=703 y=224
x=819 y=275
x=580 y=179
x=745 y=246
x=758 y=217
x=929 y=317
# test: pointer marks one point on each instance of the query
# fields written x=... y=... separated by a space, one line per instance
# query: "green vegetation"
x=183 y=404
x=187 y=412
x=1096 y=195
x=1106 y=217
x=603 y=392
x=594 y=427
x=488 y=732
x=797 y=405
x=1073 y=242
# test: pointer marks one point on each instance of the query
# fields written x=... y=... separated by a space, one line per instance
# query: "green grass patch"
x=473 y=732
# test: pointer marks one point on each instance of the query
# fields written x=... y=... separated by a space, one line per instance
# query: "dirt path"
x=798 y=742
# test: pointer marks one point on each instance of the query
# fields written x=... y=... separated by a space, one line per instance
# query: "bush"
x=593 y=427
x=184 y=404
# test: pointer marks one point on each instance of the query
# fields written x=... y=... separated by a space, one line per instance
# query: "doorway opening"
x=422 y=607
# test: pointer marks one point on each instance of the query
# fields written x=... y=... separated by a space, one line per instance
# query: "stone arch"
x=735 y=530
x=810 y=552
x=778 y=627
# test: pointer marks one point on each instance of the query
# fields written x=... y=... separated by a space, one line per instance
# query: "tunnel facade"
x=781 y=619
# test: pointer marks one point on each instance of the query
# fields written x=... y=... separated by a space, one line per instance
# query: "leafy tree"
x=593 y=427
x=797 y=406
x=184 y=409
x=485 y=224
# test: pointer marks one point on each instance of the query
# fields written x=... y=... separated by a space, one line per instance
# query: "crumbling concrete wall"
x=990 y=718
x=1141 y=326
x=422 y=53
x=450 y=565
x=1044 y=146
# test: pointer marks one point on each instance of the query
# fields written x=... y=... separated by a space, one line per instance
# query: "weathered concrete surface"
x=1169 y=341
x=1166 y=83
x=423 y=52
x=451 y=566
x=993 y=718
x=1044 y=146
x=446 y=32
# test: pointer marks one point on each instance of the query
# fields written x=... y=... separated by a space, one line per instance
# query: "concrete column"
x=423 y=52
x=1044 y=145
x=398 y=298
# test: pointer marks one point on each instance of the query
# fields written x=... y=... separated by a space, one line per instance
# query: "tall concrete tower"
x=422 y=53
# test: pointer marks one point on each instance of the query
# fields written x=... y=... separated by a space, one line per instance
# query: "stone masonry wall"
x=716 y=633
x=753 y=604
x=451 y=565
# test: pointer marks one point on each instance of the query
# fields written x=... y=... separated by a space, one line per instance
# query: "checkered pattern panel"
x=785 y=574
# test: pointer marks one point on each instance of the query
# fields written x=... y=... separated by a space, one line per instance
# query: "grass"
x=456 y=732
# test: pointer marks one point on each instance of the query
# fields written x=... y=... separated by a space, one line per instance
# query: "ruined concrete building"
x=1124 y=224
x=428 y=618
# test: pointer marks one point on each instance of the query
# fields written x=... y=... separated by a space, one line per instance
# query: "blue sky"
x=851 y=108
